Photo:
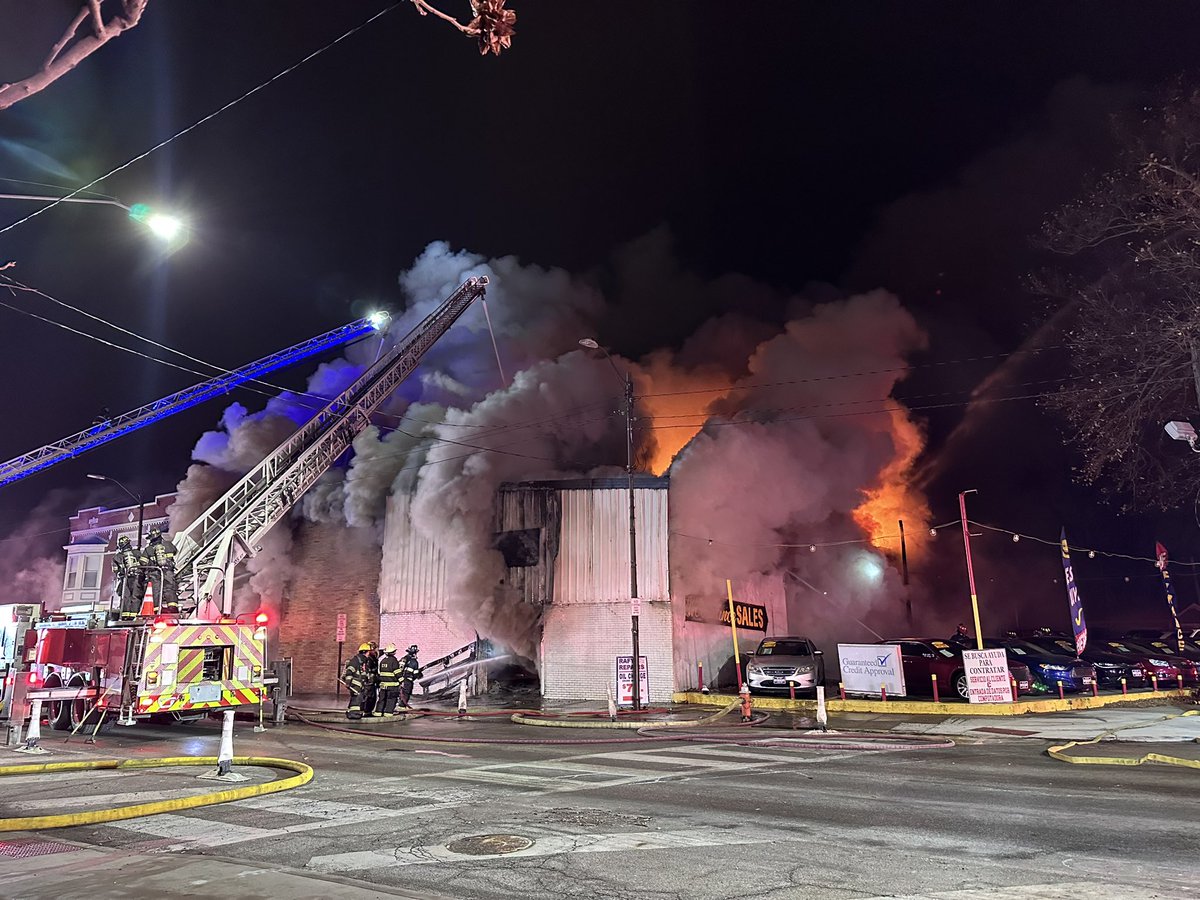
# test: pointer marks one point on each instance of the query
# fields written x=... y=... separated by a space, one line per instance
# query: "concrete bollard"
x=34 y=734
x=1124 y=687
x=1095 y=689
x=1154 y=683
x=822 y=712
x=1012 y=686
x=791 y=690
x=612 y=705
x=700 y=677
x=1179 y=679
x=1061 y=695
x=883 y=692
x=224 y=770
x=462 y=697
x=842 y=689
x=933 y=678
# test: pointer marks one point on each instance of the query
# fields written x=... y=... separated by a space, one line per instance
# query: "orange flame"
x=677 y=403
x=896 y=499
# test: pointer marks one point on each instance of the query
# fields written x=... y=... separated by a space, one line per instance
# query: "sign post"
x=737 y=656
x=341 y=640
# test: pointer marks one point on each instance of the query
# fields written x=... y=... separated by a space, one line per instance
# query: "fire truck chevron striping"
x=181 y=660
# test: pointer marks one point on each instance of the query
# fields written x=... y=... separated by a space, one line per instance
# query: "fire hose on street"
x=1060 y=751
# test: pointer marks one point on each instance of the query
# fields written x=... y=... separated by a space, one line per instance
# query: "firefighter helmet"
x=154 y=533
x=363 y=648
x=124 y=543
x=390 y=648
x=412 y=649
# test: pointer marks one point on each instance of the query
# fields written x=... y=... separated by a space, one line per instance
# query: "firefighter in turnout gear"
x=159 y=560
x=409 y=672
x=389 y=682
x=127 y=567
x=370 y=705
x=354 y=676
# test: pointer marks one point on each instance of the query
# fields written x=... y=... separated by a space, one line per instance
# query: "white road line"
x=715 y=750
x=547 y=845
x=169 y=825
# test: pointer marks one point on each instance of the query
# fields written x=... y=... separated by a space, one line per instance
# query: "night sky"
x=811 y=148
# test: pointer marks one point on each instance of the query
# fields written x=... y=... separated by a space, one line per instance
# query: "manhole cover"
x=22 y=848
x=487 y=844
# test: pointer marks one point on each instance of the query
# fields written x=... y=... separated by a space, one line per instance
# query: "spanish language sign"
x=749 y=616
x=988 y=680
x=625 y=681
x=868 y=667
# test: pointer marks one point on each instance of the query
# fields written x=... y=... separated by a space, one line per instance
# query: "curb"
x=929 y=708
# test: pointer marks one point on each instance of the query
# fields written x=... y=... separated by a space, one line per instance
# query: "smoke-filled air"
x=778 y=436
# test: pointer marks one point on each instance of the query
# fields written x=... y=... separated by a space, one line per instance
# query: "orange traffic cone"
x=148 y=601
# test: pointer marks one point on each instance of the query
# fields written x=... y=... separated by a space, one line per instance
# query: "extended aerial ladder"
x=112 y=428
x=229 y=530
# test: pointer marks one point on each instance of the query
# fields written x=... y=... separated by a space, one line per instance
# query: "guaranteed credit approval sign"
x=987 y=676
x=867 y=667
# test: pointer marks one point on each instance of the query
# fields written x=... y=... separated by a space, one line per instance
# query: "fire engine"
x=91 y=670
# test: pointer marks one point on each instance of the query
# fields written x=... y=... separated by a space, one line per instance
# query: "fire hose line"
x=1060 y=753
x=414 y=712
x=303 y=775
x=546 y=720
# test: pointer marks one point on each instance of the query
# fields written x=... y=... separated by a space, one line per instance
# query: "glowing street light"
x=165 y=227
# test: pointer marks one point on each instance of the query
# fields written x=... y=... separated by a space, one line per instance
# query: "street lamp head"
x=589 y=343
x=1181 y=431
x=166 y=227
x=96 y=477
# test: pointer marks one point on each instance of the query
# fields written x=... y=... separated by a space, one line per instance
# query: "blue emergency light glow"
x=77 y=444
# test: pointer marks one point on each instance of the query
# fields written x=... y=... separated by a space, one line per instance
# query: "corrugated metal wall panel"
x=593 y=559
x=413 y=571
x=524 y=508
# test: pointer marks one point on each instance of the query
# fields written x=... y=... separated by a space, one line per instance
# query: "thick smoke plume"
x=772 y=443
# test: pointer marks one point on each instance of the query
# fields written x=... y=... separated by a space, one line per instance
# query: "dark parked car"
x=1110 y=667
x=779 y=661
x=1048 y=669
x=1167 y=666
x=924 y=657
x=1165 y=643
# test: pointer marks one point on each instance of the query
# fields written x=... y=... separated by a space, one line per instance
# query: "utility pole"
x=962 y=509
x=904 y=574
x=634 y=602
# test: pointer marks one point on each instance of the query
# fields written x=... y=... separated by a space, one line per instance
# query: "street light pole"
x=166 y=227
x=634 y=603
x=137 y=498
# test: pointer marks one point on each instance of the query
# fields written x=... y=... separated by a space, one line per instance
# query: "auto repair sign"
x=988 y=680
x=868 y=667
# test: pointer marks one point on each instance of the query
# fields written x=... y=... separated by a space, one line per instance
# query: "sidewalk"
x=1166 y=724
x=37 y=868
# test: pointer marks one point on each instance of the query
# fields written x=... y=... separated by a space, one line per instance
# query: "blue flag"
x=1078 y=626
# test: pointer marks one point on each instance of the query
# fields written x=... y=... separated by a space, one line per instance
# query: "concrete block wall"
x=336 y=571
x=580 y=643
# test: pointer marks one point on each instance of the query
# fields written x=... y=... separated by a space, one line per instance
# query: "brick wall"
x=336 y=571
x=580 y=643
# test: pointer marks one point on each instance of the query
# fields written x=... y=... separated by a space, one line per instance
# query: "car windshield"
x=783 y=648
x=1122 y=648
x=1050 y=645
x=1169 y=647
x=1012 y=645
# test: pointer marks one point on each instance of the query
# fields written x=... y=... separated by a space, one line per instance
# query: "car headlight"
x=754 y=669
x=804 y=670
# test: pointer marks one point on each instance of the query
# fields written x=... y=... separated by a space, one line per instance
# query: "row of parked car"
x=1038 y=661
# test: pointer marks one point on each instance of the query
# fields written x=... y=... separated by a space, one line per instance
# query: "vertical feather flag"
x=1161 y=553
x=1078 y=626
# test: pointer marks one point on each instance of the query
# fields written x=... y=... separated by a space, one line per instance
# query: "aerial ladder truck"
x=207 y=659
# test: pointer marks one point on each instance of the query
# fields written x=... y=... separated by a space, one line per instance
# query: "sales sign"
x=625 y=680
x=747 y=615
x=341 y=627
x=988 y=679
x=871 y=669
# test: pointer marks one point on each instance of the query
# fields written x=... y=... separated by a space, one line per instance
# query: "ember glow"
x=677 y=403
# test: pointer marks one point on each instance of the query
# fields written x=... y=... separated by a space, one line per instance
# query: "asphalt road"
x=692 y=821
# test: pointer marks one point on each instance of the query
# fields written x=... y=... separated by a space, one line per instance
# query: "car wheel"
x=960 y=686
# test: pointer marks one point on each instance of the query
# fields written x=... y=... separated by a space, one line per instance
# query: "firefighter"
x=354 y=676
x=409 y=672
x=389 y=682
x=371 y=704
x=159 y=559
x=126 y=566
x=961 y=637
